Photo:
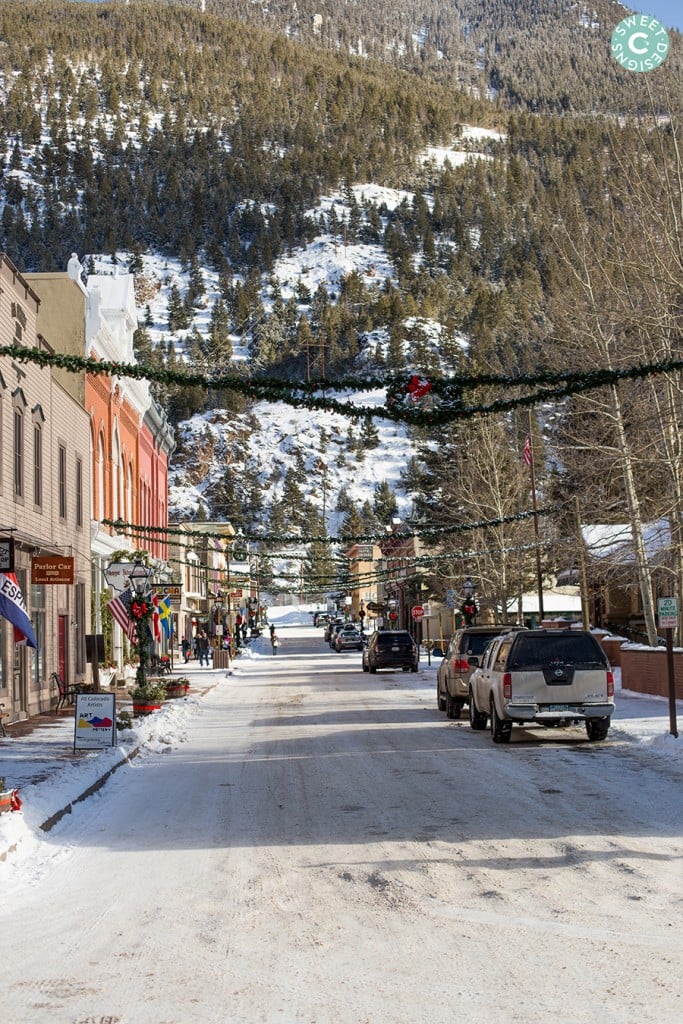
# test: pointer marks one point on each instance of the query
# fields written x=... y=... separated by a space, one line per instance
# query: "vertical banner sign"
x=95 y=721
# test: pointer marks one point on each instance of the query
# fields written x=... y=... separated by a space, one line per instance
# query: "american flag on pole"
x=527 y=453
x=120 y=609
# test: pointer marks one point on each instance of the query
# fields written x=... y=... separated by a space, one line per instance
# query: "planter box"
x=221 y=659
x=140 y=710
x=6 y=800
x=174 y=690
x=643 y=669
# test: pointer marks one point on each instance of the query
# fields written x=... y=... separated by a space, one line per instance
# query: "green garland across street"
x=401 y=404
x=277 y=539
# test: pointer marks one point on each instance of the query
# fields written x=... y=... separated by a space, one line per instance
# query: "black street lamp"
x=141 y=608
x=469 y=607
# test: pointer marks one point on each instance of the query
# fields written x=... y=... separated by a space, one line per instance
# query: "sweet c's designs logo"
x=640 y=43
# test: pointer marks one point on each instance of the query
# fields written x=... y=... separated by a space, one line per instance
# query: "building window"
x=37 y=465
x=101 y=511
x=18 y=452
x=61 y=481
x=79 y=491
x=79 y=639
x=115 y=475
x=38 y=620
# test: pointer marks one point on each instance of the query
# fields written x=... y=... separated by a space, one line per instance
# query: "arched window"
x=100 y=511
x=129 y=494
x=115 y=474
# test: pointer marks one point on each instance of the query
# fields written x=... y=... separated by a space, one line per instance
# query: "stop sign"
x=417 y=611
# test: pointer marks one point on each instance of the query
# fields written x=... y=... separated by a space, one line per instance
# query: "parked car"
x=336 y=628
x=329 y=628
x=349 y=639
x=462 y=656
x=390 y=648
x=554 y=677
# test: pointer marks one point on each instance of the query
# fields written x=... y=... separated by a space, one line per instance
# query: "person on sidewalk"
x=203 y=648
x=185 y=647
x=274 y=641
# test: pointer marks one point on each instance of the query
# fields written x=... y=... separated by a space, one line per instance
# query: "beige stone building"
x=45 y=495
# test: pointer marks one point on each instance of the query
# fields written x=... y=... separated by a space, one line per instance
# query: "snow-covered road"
x=327 y=848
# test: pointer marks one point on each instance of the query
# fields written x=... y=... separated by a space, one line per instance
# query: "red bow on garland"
x=418 y=387
x=139 y=609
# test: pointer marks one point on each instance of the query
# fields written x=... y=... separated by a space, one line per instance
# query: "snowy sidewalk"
x=40 y=762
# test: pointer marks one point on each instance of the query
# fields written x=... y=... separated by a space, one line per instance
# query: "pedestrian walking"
x=274 y=641
x=185 y=646
x=203 y=648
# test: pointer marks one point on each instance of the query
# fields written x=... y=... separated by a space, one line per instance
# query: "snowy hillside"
x=267 y=439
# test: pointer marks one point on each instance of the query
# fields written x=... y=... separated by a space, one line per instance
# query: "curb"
x=50 y=822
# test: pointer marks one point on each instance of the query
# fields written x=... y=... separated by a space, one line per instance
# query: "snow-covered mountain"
x=270 y=438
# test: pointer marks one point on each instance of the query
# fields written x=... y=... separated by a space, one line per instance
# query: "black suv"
x=390 y=648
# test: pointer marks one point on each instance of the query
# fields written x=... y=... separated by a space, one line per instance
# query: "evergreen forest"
x=209 y=136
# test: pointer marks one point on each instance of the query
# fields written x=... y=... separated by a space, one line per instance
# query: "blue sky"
x=669 y=12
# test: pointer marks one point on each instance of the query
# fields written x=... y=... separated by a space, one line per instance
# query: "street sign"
x=52 y=569
x=116 y=574
x=451 y=598
x=667 y=612
x=426 y=610
x=417 y=612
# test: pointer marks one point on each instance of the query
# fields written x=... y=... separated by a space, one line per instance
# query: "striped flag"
x=165 y=616
x=12 y=607
x=155 y=619
x=527 y=453
x=120 y=609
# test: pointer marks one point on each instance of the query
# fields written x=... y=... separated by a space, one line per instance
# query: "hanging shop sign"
x=52 y=569
x=6 y=554
x=116 y=574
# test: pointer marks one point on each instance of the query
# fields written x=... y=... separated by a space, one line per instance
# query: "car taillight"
x=507 y=686
x=461 y=664
x=610 y=684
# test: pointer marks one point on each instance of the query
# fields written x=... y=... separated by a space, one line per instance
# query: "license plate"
x=395 y=648
x=559 y=707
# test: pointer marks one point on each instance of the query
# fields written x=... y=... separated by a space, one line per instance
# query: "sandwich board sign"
x=95 y=721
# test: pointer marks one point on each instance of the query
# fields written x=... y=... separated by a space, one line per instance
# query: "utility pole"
x=529 y=459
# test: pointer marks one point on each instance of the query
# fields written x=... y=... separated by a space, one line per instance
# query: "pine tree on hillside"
x=177 y=314
x=384 y=504
x=218 y=344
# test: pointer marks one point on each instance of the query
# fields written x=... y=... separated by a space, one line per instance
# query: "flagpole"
x=539 y=575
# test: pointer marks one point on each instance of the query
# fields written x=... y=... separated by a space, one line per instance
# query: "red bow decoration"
x=15 y=801
x=139 y=609
x=418 y=387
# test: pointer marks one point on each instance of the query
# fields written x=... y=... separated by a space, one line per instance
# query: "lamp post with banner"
x=142 y=609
